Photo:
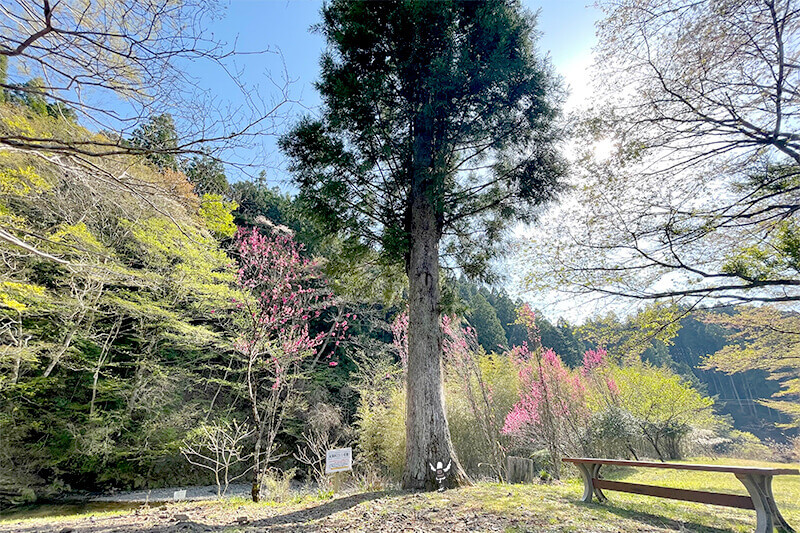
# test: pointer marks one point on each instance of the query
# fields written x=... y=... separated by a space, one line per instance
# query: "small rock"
x=182 y=516
x=242 y=520
x=66 y=530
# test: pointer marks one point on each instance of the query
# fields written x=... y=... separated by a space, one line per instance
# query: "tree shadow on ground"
x=303 y=516
x=298 y=520
x=654 y=519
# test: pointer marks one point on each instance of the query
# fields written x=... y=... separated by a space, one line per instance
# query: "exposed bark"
x=18 y=342
x=427 y=431
x=84 y=312
x=61 y=351
x=255 y=489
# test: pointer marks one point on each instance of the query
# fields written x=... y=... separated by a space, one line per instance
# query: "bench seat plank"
x=688 y=466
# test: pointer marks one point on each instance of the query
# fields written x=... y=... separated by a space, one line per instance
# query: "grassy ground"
x=552 y=507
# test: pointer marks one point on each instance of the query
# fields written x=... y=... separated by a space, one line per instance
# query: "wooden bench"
x=757 y=481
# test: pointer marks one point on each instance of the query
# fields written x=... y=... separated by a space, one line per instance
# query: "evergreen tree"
x=506 y=310
x=207 y=175
x=436 y=131
x=483 y=318
x=574 y=346
x=31 y=94
x=158 y=140
x=260 y=204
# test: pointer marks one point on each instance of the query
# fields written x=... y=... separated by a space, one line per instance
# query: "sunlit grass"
x=561 y=501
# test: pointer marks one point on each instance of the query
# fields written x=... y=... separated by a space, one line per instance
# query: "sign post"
x=338 y=460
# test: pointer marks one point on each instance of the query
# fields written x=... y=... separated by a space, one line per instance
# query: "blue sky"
x=567 y=28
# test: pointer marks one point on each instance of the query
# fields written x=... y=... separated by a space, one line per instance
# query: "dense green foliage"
x=103 y=351
x=115 y=341
x=158 y=140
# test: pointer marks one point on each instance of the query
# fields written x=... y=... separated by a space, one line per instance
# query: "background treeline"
x=115 y=347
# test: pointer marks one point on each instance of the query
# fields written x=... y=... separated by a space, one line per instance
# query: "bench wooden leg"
x=588 y=473
x=768 y=517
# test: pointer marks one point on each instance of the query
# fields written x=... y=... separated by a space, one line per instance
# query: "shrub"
x=612 y=432
x=477 y=405
x=276 y=485
x=664 y=405
x=324 y=431
x=380 y=419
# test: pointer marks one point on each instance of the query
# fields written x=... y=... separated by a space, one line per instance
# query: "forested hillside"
x=119 y=335
x=110 y=341
x=115 y=313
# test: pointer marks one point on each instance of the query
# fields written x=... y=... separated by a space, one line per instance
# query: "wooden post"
x=520 y=470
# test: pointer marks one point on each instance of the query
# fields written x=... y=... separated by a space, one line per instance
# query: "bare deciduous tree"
x=219 y=447
x=105 y=69
x=323 y=433
x=116 y=63
x=699 y=199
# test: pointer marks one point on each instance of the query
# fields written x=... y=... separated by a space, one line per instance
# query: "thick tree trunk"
x=427 y=432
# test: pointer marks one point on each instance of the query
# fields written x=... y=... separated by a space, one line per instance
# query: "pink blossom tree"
x=596 y=371
x=462 y=356
x=283 y=294
x=552 y=409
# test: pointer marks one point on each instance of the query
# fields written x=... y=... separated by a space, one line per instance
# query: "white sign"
x=339 y=460
x=179 y=495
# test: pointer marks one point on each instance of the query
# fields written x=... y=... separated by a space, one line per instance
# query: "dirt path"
x=375 y=511
x=208 y=492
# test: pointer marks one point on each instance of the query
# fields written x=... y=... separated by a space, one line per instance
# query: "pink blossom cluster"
x=594 y=369
x=546 y=384
x=551 y=395
x=459 y=343
x=593 y=359
x=288 y=294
